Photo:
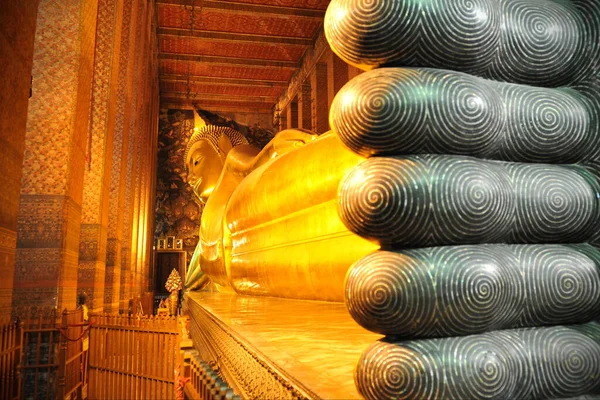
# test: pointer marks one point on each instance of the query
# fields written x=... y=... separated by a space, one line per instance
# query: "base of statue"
x=277 y=348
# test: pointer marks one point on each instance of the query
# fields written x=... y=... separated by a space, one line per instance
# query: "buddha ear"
x=225 y=144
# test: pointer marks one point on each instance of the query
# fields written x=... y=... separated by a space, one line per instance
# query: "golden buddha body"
x=270 y=224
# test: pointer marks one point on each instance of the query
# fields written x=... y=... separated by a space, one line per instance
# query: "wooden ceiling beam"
x=215 y=108
x=226 y=5
x=235 y=37
x=228 y=61
x=212 y=104
x=220 y=97
x=223 y=81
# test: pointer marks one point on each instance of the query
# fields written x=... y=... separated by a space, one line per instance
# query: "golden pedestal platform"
x=273 y=348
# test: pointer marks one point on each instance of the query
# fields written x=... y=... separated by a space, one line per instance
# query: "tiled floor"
x=316 y=343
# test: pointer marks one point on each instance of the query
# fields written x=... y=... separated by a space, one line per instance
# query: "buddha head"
x=205 y=157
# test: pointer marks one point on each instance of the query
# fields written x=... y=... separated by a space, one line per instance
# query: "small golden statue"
x=173 y=285
x=270 y=225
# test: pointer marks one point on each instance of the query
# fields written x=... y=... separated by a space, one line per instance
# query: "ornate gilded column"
x=292 y=114
x=54 y=161
x=114 y=281
x=94 y=226
x=305 y=106
x=337 y=75
x=17 y=30
x=320 y=105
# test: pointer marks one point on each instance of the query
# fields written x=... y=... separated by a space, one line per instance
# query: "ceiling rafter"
x=175 y=103
x=223 y=81
x=223 y=97
x=249 y=8
x=235 y=37
x=219 y=108
x=228 y=60
x=218 y=104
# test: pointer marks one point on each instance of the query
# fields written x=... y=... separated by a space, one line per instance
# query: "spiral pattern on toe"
x=545 y=125
x=468 y=31
x=466 y=116
x=477 y=289
x=460 y=290
x=393 y=195
x=523 y=41
x=441 y=200
x=535 y=363
x=541 y=40
x=562 y=285
x=387 y=292
x=588 y=92
x=567 y=366
x=408 y=111
x=383 y=111
x=470 y=204
x=368 y=42
x=485 y=364
x=551 y=201
x=405 y=373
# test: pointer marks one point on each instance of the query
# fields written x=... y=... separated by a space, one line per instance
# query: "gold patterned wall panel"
x=8 y=242
x=48 y=249
x=92 y=254
x=38 y=266
x=83 y=105
x=99 y=157
x=52 y=106
x=120 y=139
x=54 y=159
x=120 y=146
x=131 y=131
x=17 y=34
x=10 y=179
x=112 y=280
x=92 y=243
x=126 y=278
x=41 y=221
x=99 y=150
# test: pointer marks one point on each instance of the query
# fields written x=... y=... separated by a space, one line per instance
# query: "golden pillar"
x=54 y=161
x=142 y=149
x=94 y=277
x=17 y=33
x=292 y=114
x=305 y=107
x=320 y=105
x=120 y=158
x=337 y=75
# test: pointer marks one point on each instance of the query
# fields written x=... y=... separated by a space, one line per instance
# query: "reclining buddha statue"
x=454 y=207
x=265 y=231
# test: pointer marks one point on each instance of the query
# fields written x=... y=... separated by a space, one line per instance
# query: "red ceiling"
x=224 y=71
x=233 y=90
x=312 y=4
x=254 y=42
x=225 y=21
x=222 y=48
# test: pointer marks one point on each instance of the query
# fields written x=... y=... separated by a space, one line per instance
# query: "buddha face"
x=204 y=167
